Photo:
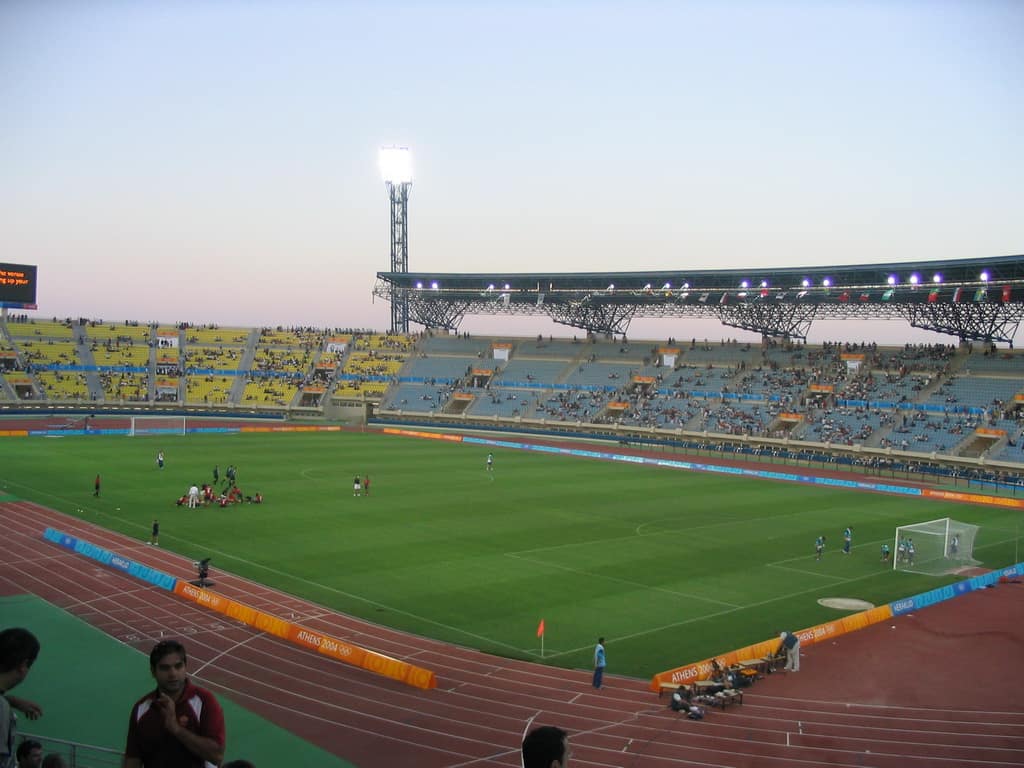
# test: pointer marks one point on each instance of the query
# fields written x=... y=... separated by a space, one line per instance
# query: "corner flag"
x=540 y=629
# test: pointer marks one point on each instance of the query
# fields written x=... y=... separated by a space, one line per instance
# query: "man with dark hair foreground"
x=179 y=725
x=546 y=746
x=19 y=649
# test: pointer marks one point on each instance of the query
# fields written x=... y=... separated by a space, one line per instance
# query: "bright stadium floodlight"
x=915 y=279
x=984 y=276
x=806 y=283
x=396 y=168
x=827 y=282
x=396 y=165
x=891 y=280
x=936 y=278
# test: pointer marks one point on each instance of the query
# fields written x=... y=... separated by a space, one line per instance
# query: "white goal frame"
x=170 y=425
x=947 y=528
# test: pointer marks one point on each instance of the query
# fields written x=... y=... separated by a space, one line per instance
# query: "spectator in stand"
x=54 y=760
x=178 y=724
x=546 y=746
x=30 y=754
x=18 y=651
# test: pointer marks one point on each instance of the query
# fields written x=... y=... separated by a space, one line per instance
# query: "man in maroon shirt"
x=179 y=725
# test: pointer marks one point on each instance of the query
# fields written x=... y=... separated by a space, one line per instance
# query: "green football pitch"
x=670 y=566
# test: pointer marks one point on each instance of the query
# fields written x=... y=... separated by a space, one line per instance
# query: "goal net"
x=936 y=547
x=158 y=425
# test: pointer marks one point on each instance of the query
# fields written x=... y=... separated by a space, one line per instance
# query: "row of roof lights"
x=915 y=279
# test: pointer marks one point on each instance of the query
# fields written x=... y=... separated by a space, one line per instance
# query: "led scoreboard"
x=18 y=286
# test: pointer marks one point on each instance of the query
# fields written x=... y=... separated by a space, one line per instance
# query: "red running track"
x=941 y=689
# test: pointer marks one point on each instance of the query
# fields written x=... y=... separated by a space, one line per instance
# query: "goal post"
x=936 y=547
x=158 y=425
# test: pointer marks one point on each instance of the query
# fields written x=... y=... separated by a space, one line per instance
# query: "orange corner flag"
x=540 y=629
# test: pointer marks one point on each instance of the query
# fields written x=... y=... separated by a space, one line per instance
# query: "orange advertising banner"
x=987 y=432
x=973 y=498
x=1019 y=398
x=501 y=345
x=701 y=670
x=791 y=417
x=668 y=350
x=314 y=390
x=462 y=396
x=13 y=433
x=643 y=379
x=483 y=372
x=822 y=388
x=618 y=405
x=850 y=356
x=429 y=435
x=371 y=661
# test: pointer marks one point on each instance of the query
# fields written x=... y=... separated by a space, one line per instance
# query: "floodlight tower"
x=396 y=168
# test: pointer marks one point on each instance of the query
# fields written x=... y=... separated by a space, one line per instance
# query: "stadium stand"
x=926 y=403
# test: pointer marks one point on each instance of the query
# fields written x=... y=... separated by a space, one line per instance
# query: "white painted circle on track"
x=845 y=603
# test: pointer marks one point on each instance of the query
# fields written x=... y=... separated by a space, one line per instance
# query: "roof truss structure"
x=973 y=299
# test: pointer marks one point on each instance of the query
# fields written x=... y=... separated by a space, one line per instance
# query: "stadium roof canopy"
x=981 y=299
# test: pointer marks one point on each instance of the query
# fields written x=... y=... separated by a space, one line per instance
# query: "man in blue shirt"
x=847 y=539
x=599 y=662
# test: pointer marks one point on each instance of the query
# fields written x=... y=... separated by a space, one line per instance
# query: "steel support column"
x=399 y=195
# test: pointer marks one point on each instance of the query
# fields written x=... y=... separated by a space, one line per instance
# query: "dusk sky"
x=217 y=161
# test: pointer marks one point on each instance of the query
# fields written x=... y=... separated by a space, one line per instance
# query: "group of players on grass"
x=904 y=549
x=206 y=494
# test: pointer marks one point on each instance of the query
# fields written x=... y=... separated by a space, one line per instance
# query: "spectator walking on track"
x=154 y=535
x=178 y=724
x=546 y=746
x=599 y=662
x=19 y=649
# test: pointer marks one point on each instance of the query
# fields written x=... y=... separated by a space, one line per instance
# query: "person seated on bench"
x=681 y=702
x=717 y=671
